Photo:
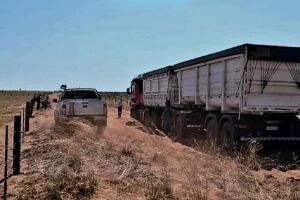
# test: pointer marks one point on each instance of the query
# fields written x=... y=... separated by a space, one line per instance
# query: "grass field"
x=11 y=103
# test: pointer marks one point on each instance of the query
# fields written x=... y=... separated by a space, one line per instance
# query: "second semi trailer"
x=248 y=92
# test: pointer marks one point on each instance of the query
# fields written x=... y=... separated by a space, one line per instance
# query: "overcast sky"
x=105 y=43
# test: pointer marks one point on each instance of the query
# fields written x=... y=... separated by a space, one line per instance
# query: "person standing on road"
x=120 y=107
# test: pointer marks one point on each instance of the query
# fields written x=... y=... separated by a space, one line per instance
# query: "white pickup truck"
x=82 y=103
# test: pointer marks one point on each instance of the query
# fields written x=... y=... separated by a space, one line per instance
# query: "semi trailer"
x=248 y=92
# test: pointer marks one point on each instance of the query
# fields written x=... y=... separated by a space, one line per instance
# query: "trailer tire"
x=147 y=117
x=134 y=113
x=152 y=118
x=157 y=120
x=166 y=122
x=228 y=139
x=179 y=127
x=212 y=131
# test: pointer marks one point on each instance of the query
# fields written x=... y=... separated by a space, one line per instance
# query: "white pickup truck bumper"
x=95 y=119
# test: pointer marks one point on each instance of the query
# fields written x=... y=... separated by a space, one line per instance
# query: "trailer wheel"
x=228 y=140
x=152 y=118
x=179 y=127
x=134 y=113
x=212 y=131
x=157 y=119
x=166 y=122
x=147 y=117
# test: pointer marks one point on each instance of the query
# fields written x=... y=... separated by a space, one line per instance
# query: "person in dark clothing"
x=120 y=107
x=38 y=101
x=45 y=103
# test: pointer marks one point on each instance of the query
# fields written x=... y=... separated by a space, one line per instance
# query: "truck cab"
x=136 y=92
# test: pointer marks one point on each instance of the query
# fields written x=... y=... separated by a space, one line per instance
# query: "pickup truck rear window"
x=83 y=94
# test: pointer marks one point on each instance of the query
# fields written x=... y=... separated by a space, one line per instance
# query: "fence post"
x=31 y=106
x=17 y=145
x=23 y=124
x=5 y=163
x=27 y=116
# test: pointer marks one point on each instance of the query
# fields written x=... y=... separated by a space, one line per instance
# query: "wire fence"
x=10 y=163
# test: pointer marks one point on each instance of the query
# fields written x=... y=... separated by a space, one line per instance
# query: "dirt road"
x=129 y=161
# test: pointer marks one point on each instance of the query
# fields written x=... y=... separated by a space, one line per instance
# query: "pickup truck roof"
x=78 y=89
x=81 y=93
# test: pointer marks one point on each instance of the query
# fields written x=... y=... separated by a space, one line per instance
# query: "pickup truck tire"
x=101 y=125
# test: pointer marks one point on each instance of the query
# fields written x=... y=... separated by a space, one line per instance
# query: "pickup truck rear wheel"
x=101 y=125
x=105 y=122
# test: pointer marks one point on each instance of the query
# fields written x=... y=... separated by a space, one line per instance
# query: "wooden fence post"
x=5 y=164
x=27 y=116
x=17 y=145
x=31 y=106
x=23 y=124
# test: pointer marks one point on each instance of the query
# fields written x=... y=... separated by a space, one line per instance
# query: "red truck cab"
x=136 y=91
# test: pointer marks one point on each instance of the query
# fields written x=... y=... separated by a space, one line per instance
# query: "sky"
x=104 y=44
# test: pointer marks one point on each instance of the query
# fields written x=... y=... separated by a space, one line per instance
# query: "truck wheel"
x=157 y=119
x=212 y=131
x=228 y=140
x=101 y=126
x=179 y=127
x=132 y=113
x=105 y=122
x=152 y=118
x=166 y=122
x=147 y=117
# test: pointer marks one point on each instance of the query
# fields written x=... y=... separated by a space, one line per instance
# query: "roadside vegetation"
x=11 y=104
x=74 y=161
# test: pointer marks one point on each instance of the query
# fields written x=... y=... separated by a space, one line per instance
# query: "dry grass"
x=61 y=172
x=159 y=189
x=248 y=155
x=78 y=160
x=233 y=173
x=197 y=187
x=11 y=104
x=127 y=151
x=69 y=184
